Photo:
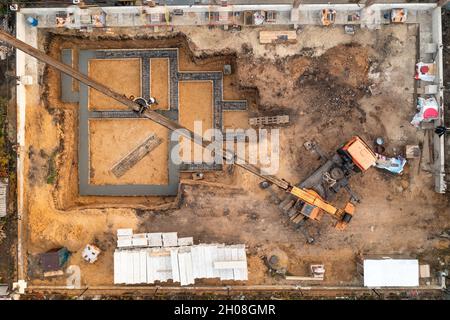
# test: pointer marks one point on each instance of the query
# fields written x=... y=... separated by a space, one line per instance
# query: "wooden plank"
x=296 y=219
x=53 y=273
x=136 y=155
x=269 y=120
x=297 y=278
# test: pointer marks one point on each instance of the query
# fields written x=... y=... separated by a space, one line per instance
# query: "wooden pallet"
x=269 y=120
x=136 y=155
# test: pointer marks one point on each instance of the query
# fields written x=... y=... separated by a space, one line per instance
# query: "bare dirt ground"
x=159 y=82
x=235 y=119
x=323 y=83
x=123 y=76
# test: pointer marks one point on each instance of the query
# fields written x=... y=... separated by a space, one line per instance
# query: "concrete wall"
x=25 y=65
x=439 y=142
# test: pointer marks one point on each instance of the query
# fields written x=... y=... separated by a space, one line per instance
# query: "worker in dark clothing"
x=144 y=104
x=441 y=130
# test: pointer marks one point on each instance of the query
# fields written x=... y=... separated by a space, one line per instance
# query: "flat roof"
x=391 y=273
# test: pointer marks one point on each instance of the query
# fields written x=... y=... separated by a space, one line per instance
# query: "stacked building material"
x=136 y=155
x=166 y=257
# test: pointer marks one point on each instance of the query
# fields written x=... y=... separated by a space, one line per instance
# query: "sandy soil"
x=235 y=120
x=121 y=75
x=159 y=82
x=111 y=140
x=196 y=105
x=397 y=215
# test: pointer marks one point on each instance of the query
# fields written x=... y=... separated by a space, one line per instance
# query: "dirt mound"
x=349 y=63
x=337 y=80
x=331 y=83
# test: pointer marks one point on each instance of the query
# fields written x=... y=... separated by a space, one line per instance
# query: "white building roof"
x=391 y=273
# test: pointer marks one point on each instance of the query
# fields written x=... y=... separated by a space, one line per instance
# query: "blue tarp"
x=394 y=165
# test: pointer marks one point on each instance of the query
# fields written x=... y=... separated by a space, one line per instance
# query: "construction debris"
x=399 y=15
x=317 y=273
x=277 y=261
x=424 y=271
x=136 y=155
x=412 y=152
x=3 y=290
x=4 y=51
x=394 y=164
x=349 y=29
x=197 y=176
x=425 y=71
x=91 y=253
x=328 y=17
x=227 y=69
x=50 y=274
x=273 y=37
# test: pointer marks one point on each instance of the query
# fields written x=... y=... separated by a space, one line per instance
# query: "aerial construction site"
x=324 y=172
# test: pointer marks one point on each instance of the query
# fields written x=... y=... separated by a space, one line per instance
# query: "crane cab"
x=358 y=153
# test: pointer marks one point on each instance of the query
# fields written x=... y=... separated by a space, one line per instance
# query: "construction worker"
x=144 y=104
x=441 y=130
x=152 y=101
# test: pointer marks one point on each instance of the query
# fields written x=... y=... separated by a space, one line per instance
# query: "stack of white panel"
x=170 y=239
x=154 y=239
x=150 y=257
x=187 y=241
x=140 y=240
x=124 y=238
